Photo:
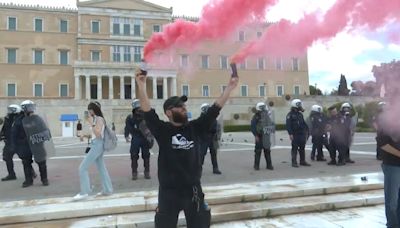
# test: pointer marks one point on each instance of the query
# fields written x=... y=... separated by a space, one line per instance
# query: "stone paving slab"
x=237 y=211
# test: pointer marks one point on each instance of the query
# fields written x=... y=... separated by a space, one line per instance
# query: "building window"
x=241 y=35
x=95 y=56
x=137 y=27
x=38 y=25
x=127 y=29
x=295 y=64
x=64 y=57
x=205 y=91
x=63 y=90
x=185 y=90
x=259 y=34
x=156 y=28
x=11 y=90
x=138 y=54
x=262 y=90
x=11 y=55
x=223 y=87
x=296 y=90
x=127 y=54
x=224 y=62
x=184 y=60
x=116 y=54
x=242 y=65
x=279 y=90
x=63 y=26
x=261 y=63
x=116 y=29
x=38 y=90
x=243 y=91
x=38 y=56
x=279 y=64
x=95 y=26
x=204 y=61
x=12 y=24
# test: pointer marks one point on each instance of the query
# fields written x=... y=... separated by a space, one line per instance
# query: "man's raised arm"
x=144 y=99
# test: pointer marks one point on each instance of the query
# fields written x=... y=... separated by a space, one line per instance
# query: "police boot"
x=215 y=163
x=147 y=168
x=267 y=155
x=257 y=156
x=303 y=158
x=134 y=166
x=28 y=174
x=348 y=160
x=11 y=173
x=43 y=173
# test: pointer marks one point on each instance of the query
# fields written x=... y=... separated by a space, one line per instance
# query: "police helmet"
x=135 y=104
x=260 y=106
x=204 y=107
x=296 y=103
x=28 y=106
x=316 y=108
x=14 y=109
x=345 y=107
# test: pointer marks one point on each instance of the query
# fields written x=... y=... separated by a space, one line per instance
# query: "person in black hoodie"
x=179 y=159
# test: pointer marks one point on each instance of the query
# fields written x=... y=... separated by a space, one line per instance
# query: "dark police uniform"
x=260 y=121
x=138 y=142
x=180 y=168
x=8 y=152
x=297 y=127
x=340 y=137
x=318 y=125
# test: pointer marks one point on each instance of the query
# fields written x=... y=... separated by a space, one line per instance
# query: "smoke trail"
x=290 y=39
x=219 y=18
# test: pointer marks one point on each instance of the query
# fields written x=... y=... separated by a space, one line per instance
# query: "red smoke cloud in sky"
x=290 y=39
x=219 y=19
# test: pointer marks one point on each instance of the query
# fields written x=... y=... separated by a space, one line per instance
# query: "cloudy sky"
x=350 y=53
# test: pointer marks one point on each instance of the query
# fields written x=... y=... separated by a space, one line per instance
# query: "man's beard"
x=177 y=117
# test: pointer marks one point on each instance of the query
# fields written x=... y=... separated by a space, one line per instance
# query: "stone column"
x=133 y=85
x=77 y=88
x=110 y=87
x=99 y=88
x=154 y=88
x=122 y=87
x=165 y=88
x=87 y=85
x=174 y=86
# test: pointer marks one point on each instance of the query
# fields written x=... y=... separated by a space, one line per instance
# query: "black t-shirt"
x=179 y=159
x=388 y=158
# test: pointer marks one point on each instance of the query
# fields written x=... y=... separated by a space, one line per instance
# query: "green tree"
x=314 y=91
x=343 y=90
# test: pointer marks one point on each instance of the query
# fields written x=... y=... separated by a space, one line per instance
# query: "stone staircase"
x=242 y=201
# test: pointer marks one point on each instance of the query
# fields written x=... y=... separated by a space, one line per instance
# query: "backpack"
x=110 y=139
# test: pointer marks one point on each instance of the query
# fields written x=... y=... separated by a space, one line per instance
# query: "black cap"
x=174 y=101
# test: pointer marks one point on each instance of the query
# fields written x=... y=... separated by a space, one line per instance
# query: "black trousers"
x=298 y=145
x=341 y=148
x=27 y=161
x=8 y=155
x=172 y=201
x=258 y=148
x=318 y=143
x=139 y=144
x=213 y=152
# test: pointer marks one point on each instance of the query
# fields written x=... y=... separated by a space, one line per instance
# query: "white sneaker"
x=79 y=197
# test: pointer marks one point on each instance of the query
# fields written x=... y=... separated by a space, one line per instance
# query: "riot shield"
x=39 y=137
x=268 y=123
x=353 y=126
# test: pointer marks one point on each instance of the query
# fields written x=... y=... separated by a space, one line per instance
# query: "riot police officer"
x=211 y=140
x=21 y=144
x=298 y=132
x=8 y=153
x=318 y=125
x=138 y=140
x=262 y=128
x=348 y=131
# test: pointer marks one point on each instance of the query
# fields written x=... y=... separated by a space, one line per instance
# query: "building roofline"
x=38 y=7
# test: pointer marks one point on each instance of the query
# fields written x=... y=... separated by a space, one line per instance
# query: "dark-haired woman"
x=95 y=155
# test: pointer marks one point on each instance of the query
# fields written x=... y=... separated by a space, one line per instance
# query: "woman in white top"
x=95 y=155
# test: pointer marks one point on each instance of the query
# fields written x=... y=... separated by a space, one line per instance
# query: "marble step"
x=64 y=208
x=230 y=212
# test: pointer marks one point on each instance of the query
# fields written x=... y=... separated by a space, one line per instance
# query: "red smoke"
x=219 y=18
x=290 y=39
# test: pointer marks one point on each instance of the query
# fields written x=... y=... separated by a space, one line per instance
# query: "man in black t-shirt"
x=179 y=160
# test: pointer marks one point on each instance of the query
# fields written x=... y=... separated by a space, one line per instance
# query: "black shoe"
x=304 y=164
x=134 y=176
x=295 y=165
x=27 y=184
x=256 y=168
x=341 y=163
x=270 y=167
x=217 y=171
x=147 y=175
x=332 y=162
x=9 y=177
x=45 y=182
x=321 y=159
x=350 y=161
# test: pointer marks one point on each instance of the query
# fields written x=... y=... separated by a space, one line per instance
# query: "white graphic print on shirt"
x=180 y=142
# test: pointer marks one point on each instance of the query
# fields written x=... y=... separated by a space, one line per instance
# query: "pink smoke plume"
x=219 y=18
x=290 y=39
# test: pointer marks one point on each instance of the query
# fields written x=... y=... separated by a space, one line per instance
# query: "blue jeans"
x=392 y=195
x=95 y=155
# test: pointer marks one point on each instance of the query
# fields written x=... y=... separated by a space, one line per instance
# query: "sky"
x=350 y=53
